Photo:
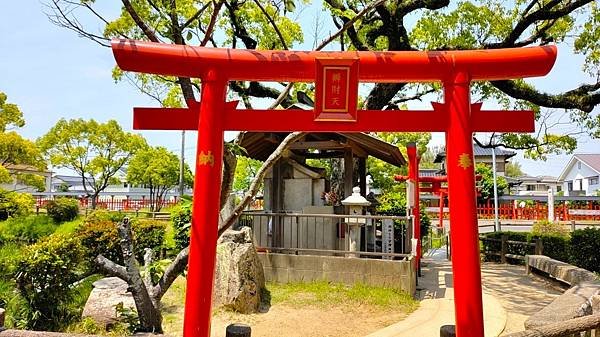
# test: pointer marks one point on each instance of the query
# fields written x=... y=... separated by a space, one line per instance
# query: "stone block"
x=304 y=262
x=562 y=271
x=575 y=302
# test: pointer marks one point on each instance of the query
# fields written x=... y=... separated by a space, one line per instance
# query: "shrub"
x=99 y=236
x=545 y=227
x=44 y=277
x=27 y=229
x=181 y=216
x=13 y=204
x=585 y=248
x=63 y=209
x=555 y=246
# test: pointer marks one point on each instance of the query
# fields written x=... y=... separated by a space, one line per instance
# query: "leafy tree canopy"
x=245 y=172
x=486 y=185
x=19 y=157
x=95 y=151
x=513 y=169
x=158 y=169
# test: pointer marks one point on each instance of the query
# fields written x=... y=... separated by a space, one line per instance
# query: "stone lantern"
x=356 y=204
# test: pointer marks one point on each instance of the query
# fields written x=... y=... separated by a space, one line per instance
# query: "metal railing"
x=329 y=234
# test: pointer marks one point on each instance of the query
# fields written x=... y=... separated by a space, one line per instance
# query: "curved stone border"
x=582 y=299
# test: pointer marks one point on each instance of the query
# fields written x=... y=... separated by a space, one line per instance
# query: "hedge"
x=585 y=249
x=581 y=248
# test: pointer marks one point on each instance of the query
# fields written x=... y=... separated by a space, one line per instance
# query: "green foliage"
x=486 y=184
x=181 y=217
x=157 y=169
x=545 y=227
x=585 y=245
x=13 y=204
x=392 y=203
x=99 y=235
x=27 y=229
x=95 y=151
x=44 y=277
x=16 y=150
x=383 y=173
x=513 y=169
x=63 y=209
x=245 y=171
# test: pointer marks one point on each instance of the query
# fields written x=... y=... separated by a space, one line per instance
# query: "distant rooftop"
x=479 y=151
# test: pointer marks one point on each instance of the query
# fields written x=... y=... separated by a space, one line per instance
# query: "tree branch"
x=111 y=268
x=150 y=34
x=581 y=98
x=247 y=199
x=211 y=25
x=173 y=270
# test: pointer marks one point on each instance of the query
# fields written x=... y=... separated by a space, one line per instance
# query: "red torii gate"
x=213 y=115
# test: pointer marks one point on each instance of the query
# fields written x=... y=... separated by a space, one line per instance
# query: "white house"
x=529 y=185
x=581 y=175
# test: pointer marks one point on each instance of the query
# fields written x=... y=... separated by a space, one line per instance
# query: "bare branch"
x=111 y=268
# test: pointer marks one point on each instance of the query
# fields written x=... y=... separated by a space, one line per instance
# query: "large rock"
x=107 y=293
x=239 y=276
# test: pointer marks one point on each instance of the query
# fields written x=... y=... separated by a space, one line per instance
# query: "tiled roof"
x=480 y=152
x=591 y=160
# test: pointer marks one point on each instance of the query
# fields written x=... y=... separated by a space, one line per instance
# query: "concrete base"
x=285 y=268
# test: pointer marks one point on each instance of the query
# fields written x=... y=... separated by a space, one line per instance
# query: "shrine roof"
x=260 y=145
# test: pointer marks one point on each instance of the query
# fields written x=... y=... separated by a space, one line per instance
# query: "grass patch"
x=323 y=293
x=69 y=227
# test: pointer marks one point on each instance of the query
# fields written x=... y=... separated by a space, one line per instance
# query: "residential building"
x=529 y=185
x=581 y=175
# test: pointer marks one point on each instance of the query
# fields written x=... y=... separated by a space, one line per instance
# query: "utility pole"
x=182 y=163
x=496 y=222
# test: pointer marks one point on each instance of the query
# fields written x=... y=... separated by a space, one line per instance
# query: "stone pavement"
x=510 y=297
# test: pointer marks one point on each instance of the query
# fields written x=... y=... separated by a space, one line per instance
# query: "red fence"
x=113 y=203
x=521 y=210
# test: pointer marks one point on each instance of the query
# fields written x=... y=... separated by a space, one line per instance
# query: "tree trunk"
x=148 y=312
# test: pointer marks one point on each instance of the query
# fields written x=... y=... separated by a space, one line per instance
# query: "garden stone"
x=239 y=276
x=106 y=295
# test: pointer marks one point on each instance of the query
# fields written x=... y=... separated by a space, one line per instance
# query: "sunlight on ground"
x=304 y=309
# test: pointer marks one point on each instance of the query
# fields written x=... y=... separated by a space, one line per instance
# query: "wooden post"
x=448 y=331
x=539 y=247
x=572 y=225
x=238 y=330
x=503 y=249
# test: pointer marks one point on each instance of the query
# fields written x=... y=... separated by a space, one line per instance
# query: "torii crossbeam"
x=336 y=75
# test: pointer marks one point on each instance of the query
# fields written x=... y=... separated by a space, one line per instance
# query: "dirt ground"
x=282 y=320
x=287 y=320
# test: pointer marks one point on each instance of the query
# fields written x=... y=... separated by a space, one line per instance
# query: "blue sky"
x=51 y=73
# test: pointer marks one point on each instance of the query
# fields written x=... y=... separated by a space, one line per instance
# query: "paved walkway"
x=510 y=297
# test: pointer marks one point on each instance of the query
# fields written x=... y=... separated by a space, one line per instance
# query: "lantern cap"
x=356 y=199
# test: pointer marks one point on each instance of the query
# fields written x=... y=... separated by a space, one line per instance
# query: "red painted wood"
x=463 y=213
x=205 y=211
x=303 y=120
x=299 y=66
